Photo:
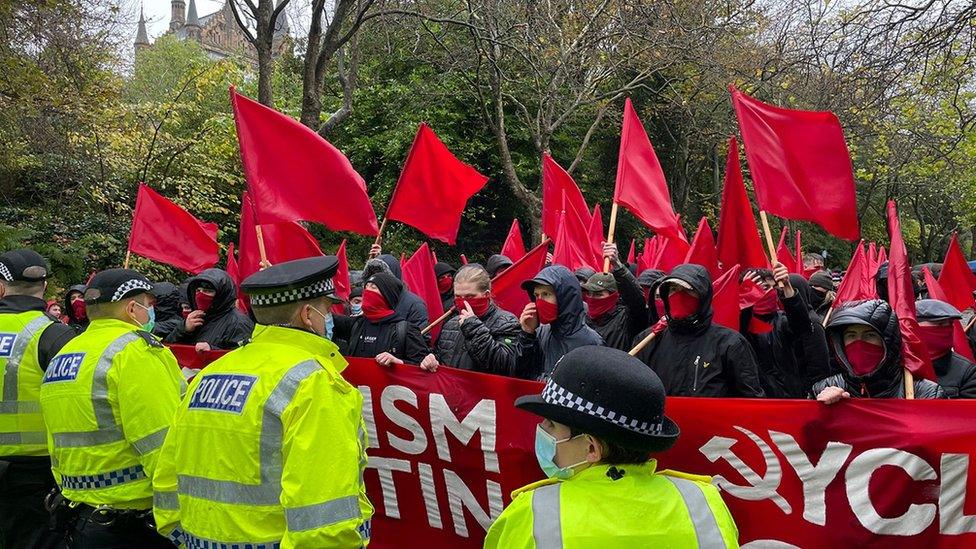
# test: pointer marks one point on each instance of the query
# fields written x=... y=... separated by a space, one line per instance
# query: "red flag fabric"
x=882 y=255
x=641 y=187
x=282 y=241
x=901 y=296
x=702 y=251
x=725 y=300
x=464 y=259
x=572 y=248
x=671 y=253
x=294 y=174
x=596 y=236
x=858 y=282
x=738 y=236
x=872 y=258
x=558 y=189
x=167 y=233
x=648 y=254
x=783 y=253
x=514 y=247
x=341 y=280
x=799 y=255
x=506 y=287
x=232 y=268
x=800 y=164
x=632 y=253
x=956 y=277
x=960 y=343
x=419 y=276
x=433 y=189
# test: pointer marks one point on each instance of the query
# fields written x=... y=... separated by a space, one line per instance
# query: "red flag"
x=282 y=241
x=464 y=259
x=956 y=277
x=433 y=189
x=341 y=280
x=641 y=187
x=632 y=253
x=514 y=248
x=702 y=251
x=800 y=164
x=293 y=174
x=558 y=188
x=858 y=282
x=419 y=276
x=738 y=236
x=960 y=343
x=506 y=287
x=901 y=296
x=725 y=300
x=872 y=258
x=799 y=267
x=596 y=236
x=232 y=268
x=573 y=248
x=167 y=233
x=882 y=255
x=783 y=253
x=671 y=253
x=648 y=254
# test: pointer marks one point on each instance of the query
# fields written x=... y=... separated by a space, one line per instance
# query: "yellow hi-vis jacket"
x=108 y=398
x=21 y=424
x=640 y=509
x=267 y=450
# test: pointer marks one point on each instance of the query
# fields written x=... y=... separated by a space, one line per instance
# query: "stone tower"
x=177 y=16
x=142 y=37
x=192 y=27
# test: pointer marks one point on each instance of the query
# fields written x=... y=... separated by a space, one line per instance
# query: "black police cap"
x=292 y=281
x=23 y=266
x=114 y=285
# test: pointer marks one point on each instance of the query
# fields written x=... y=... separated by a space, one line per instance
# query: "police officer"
x=268 y=448
x=108 y=398
x=603 y=415
x=29 y=339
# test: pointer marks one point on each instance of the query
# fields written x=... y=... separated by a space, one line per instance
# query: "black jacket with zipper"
x=481 y=344
x=224 y=326
x=619 y=326
x=393 y=334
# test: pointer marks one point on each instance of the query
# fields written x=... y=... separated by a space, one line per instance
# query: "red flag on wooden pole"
x=725 y=302
x=738 y=235
x=957 y=278
x=167 y=233
x=506 y=287
x=703 y=251
x=783 y=253
x=286 y=241
x=514 y=248
x=858 y=282
x=558 y=190
x=420 y=278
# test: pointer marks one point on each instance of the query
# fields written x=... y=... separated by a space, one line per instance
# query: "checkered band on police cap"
x=556 y=395
x=281 y=297
x=131 y=285
x=5 y=273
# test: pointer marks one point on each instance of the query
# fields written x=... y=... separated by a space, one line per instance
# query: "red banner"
x=448 y=448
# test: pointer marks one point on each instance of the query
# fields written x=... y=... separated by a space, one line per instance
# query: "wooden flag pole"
x=643 y=343
x=769 y=239
x=261 y=249
x=969 y=324
x=610 y=231
x=909 y=385
x=826 y=319
x=379 y=234
x=128 y=256
x=440 y=319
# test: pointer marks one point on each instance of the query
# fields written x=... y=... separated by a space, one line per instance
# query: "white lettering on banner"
x=481 y=418
x=460 y=498
x=916 y=519
x=390 y=395
x=430 y=496
x=385 y=467
x=954 y=471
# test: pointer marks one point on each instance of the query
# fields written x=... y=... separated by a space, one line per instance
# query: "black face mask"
x=817 y=297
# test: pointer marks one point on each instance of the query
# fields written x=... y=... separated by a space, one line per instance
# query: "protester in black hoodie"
x=496 y=264
x=481 y=336
x=557 y=304
x=74 y=307
x=410 y=305
x=936 y=323
x=168 y=309
x=866 y=341
x=822 y=294
x=615 y=304
x=693 y=356
x=445 y=283
x=215 y=322
x=648 y=280
x=381 y=333
x=790 y=345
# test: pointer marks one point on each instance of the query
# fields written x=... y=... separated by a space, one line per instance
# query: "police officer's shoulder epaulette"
x=529 y=487
x=150 y=339
x=687 y=476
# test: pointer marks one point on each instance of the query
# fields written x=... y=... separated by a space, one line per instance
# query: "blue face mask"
x=329 y=324
x=545 y=452
x=356 y=309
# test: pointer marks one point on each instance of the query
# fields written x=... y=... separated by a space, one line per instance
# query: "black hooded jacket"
x=537 y=353
x=695 y=357
x=888 y=379
x=410 y=305
x=956 y=374
x=168 y=317
x=224 y=326
x=619 y=326
x=393 y=334
x=77 y=324
x=482 y=344
x=793 y=356
x=496 y=263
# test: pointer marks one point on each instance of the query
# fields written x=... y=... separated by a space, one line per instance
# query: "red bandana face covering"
x=938 y=339
x=375 y=306
x=445 y=284
x=682 y=304
x=599 y=306
x=548 y=312
x=204 y=301
x=478 y=304
x=767 y=305
x=79 y=309
x=864 y=357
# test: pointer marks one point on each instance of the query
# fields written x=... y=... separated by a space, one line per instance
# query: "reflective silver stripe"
x=706 y=528
x=196 y=542
x=151 y=442
x=20 y=407
x=321 y=515
x=103 y=410
x=24 y=338
x=32 y=437
x=547 y=529
x=167 y=501
x=268 y=492
x=81 y=439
